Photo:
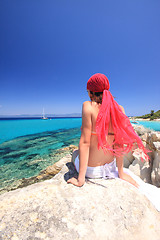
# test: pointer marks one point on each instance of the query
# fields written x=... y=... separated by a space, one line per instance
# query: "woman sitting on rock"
x=106 y=136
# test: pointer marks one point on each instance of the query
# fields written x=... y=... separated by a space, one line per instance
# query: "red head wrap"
x=98 y=83
x=125 y=137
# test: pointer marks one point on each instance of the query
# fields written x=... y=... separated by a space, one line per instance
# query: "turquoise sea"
x=28 y=146
x=154 y=125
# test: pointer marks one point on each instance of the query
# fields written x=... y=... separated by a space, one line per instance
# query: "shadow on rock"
x=71 y=171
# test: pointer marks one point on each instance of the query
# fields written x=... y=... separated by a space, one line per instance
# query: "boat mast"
x=43 y=113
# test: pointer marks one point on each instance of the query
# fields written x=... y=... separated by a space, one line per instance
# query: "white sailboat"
x=43 y=116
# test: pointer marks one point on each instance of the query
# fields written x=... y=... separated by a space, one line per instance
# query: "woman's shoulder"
x=87 y=106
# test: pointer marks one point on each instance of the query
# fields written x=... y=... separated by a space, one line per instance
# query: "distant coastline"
x=60 y=117
x=155 y=116
x=143 y=119
x=152 y=116
x=39 y=116
x=32 y=118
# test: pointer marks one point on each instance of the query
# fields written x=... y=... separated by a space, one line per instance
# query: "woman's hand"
x=129 y=179
x=76 y=182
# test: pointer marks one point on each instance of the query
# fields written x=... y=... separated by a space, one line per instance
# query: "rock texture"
x=128 y=159
x=101 y=209
x=149 y=172
x=141 y=169
x=155 y=175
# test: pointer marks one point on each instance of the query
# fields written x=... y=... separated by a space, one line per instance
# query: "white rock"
x=155 y=136
x=155 y=174
x=141 y=169
x=157 y=145
x=144 y=137
x=140 y=130
x=101 y=209
x=128 y=159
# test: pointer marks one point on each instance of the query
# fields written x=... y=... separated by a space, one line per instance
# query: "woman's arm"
x=84 y=145
x=122 y=174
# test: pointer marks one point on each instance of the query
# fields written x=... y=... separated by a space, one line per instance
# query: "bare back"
x=98 y=157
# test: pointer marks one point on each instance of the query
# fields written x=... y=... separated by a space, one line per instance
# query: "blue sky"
x=49 y=49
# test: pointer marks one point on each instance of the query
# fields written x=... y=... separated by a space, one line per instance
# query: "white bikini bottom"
x=105 y=171
x=109 y=170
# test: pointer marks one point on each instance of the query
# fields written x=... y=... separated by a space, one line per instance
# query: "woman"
x=106 y=135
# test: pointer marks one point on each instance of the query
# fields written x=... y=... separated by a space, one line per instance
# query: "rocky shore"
x=148 y=171
x=147 y=119
x=45 y=174
x=143 y=119
x=101 y=209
